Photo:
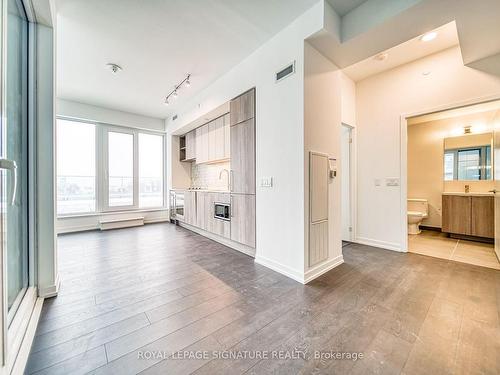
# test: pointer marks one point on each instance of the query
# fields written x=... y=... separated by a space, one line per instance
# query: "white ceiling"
x=411 y=50
x=342 y=7
x=157 y=42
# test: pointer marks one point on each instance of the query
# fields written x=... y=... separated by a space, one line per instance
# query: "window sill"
x=104 y=213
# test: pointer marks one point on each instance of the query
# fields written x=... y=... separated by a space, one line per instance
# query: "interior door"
x=496 y=178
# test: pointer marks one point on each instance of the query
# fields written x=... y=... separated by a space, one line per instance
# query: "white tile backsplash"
x=207 y=176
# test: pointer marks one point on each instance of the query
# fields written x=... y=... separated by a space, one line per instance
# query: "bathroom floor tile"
x=436 y=246
x=479 y=254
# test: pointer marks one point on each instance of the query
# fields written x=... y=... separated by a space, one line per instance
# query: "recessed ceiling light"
x=428 y=37
x=426 y=73
x=115 y=68
x=381 y=56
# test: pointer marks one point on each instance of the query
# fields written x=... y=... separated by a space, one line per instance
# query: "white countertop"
x=471 y=194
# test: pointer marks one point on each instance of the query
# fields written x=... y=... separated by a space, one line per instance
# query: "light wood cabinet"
x=243 y=157
x=190 y=207
x=227 y=137
x=202 y=141
x=201 y=210
x=217 y=226
x=468 y=215
x=216 y=140
x=242 y=108
x=191 y=145
x=243 y=219
x=483 y=217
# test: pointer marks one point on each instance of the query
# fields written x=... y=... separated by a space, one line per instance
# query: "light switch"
x=392 y=181
x=266 y=182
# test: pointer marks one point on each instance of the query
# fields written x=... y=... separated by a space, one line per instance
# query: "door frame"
x=403 y=153
x=352 y=180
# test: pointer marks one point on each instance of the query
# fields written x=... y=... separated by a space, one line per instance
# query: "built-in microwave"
x=222 y=211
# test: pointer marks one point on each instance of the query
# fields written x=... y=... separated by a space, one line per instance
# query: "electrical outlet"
x=266 y=182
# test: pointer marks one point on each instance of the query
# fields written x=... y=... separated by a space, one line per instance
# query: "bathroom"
x=450 y=177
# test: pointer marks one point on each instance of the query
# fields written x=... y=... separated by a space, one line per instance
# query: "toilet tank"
x=419 y=205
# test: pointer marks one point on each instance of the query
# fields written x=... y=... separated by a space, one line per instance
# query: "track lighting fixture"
x=174 y=93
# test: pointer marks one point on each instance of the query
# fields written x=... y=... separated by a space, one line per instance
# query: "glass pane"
x=76 y=177
x=16 y=149
x=150 y=170
x=487 y=167
x=449 y=163
x=469 y=164
x=121 y=169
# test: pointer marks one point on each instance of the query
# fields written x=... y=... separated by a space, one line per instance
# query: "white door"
x=345 y=179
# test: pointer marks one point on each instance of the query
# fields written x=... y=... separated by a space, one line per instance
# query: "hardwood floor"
x=148 y=299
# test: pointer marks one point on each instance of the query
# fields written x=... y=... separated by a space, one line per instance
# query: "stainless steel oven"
x=222 y=211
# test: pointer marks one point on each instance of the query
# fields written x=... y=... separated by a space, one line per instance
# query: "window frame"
x=102 y=175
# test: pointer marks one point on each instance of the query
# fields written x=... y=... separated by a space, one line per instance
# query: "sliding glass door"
x=14 y=161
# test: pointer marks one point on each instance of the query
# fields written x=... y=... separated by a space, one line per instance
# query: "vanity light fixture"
x=428 y=36
x=174 y=93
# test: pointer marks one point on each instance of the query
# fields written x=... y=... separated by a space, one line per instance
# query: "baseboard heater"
x=136 y=221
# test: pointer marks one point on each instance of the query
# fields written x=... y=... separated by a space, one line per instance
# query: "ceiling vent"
x=285 y=72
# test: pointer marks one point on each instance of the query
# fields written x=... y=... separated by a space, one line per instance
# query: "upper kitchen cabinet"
x=227 y=137
x=190 y=145
x=242 y=108
x=216 y=140
x=243 y=157
x=202 y=140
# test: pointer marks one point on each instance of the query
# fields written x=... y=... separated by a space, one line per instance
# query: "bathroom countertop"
x=471 y=194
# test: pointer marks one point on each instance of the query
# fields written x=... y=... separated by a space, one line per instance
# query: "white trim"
x=320 y=269
x=24 y=351
x=50 y=291
x=403 y=153
x=247 y=250
x=280 y=268
x=381 y=244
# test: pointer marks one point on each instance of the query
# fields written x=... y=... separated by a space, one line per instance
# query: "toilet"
x=418 y=210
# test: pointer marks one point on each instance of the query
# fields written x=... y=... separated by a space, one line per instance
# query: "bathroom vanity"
x=468 y=214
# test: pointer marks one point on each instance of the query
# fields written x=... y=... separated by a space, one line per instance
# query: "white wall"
x=322 y=125
x=279 y=138
x=88 y=112
x=381 y=101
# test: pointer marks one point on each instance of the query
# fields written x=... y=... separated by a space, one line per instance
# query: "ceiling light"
x=428 y=37
x=174 y=94
x=381 y=56
x=115 y=68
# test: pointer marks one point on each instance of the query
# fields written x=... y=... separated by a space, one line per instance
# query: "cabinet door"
x=217 y=226
x=212 y=141
x=483 y=217
x=456 y=214
x=201 y=214
x=243 y=157
x=243 y=219
x=219 y=139
x=191 y=145
x=202 y=144
x=190 y=207
x=242 y=108
x=227 y=139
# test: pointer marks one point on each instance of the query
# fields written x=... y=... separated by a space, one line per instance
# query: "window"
x=150 y=170
x=76 y=172
x=468 y=164
x=124 y=172
x=120 y=169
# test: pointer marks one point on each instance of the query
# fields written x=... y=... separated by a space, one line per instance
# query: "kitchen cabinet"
x=214 y=225
x=227 y=136
x=190 y=207
x=190 y=145
x=216 y=140
x=243 y=157
x=468 y=215
x=243 y=219
x=202 y=144
x=242 y=108
x=201 y=210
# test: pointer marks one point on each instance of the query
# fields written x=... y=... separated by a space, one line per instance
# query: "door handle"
x=494 y=191
x=11 y=166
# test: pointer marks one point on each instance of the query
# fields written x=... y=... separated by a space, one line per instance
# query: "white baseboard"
x=247 y=250
x=50 y=291
x=280 y=268
x=322 y=268
x=24 y=351
x=106 y=224
x=394 y=246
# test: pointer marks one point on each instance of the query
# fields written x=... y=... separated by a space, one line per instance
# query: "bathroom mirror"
x=468 y=157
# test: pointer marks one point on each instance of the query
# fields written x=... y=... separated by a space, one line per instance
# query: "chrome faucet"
x=220 y=176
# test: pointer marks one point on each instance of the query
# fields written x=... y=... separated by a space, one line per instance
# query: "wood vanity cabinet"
x=468 y=215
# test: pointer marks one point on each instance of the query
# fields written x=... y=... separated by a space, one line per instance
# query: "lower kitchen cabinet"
x=201 y=210
x=214 y=225
x=243 y=219
x=190 y=207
